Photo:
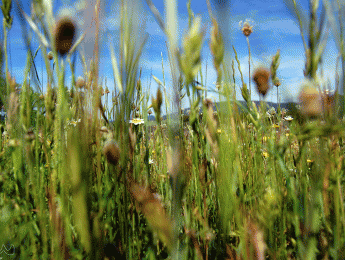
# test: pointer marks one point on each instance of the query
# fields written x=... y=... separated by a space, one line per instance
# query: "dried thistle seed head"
x=50 y=55
x=310 y=101
x=112 y=152
x=247 y=29
x=64 y=33
x=80 y=82
x=261 y=77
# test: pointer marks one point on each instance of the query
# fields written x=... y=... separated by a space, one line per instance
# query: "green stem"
x=250 y=88
x=6 y=58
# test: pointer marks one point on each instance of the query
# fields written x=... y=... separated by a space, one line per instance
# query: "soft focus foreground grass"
x=79 y=179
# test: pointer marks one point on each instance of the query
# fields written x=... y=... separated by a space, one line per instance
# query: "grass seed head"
x=261 y=77
x=216 y=45
x=190 y=59
x=64 y=33
x=112 y=152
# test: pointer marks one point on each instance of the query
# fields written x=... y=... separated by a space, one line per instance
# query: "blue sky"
x=274 y=27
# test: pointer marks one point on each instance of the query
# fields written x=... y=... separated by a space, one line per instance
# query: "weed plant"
x=82 y=180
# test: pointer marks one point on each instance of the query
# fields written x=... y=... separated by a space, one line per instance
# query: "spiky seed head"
x=50 y=55
x=80 y=82
x=64 y=33
x=111 y=152
x=261 y=77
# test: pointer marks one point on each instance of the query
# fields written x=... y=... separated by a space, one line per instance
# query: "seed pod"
x=64 y=33
x=261 y=77
x=112 y=152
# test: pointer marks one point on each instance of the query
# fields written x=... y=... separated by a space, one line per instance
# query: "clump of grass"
x=249 y=184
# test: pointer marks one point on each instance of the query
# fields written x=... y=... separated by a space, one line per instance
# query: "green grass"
x=231 y=185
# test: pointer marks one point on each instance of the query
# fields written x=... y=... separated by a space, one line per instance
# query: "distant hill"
x=286 y=105
x=221 y=105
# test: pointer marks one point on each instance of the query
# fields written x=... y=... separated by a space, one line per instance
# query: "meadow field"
x=84 y=178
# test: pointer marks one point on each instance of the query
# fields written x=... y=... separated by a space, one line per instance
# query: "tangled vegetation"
x=232 y=180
